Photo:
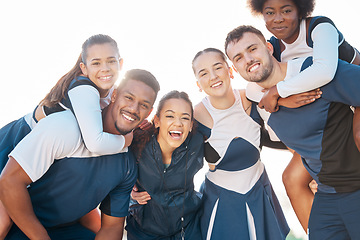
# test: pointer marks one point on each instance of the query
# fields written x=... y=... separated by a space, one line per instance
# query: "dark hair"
x=206 y=50
x=142 y=76
x=141 y=137
x=236 y=34
x=304 y=7
x=58 y=92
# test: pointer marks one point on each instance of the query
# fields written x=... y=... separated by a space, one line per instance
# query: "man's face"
x=251 y=57
x=133 y=103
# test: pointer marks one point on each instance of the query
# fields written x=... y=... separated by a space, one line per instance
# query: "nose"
x=213 y=75
x=178 y=121
x=105 y=67
x=278 y=18
x=134 y=107
x=248 y=57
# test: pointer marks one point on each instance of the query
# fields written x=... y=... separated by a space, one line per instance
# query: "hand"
x=301 y=99
x=128 y=139
x=145 y=125
x=269 y=101
x=313 y=186
x=140 y=197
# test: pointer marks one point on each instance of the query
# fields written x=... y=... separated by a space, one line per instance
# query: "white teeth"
x=128 y=118
x=105 y=78
x=256 y=66
x=176 y=132
x=216 y=84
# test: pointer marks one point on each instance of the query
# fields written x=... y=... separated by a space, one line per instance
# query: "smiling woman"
x=168 y=155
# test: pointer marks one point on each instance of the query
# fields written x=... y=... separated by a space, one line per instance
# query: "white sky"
x=41 y=40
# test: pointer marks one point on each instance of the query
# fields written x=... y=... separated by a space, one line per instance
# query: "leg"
x=92 y=220
x=325 y=220
x=296 y=180
x=5 y=220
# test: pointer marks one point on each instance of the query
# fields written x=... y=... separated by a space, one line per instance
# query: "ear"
x=233 y=68
x=270 y=48
x=83 y=69
x=156 y=121
x=150 y=112
x=198 y=84
x=113 y=96
x=121 y=62
x=231 y=73
x=191 y=126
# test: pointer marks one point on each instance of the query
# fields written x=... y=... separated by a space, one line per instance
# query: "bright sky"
x=41 y=41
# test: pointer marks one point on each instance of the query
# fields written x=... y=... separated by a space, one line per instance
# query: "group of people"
x=88 y=146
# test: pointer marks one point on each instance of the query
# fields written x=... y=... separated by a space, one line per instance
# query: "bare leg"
x=296 y=180
x=92 y=220
x=5 y=221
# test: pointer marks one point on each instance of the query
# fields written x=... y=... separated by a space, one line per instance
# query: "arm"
x=15 y=197
x=85 y=102
x=140 y=197
x=321 y=72
x=111 y=227
x=300 y=99
x=325 y=60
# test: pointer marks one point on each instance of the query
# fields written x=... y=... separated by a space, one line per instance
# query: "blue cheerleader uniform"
x=239 y=202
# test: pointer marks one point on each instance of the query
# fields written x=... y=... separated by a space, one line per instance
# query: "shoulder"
x=202 y=115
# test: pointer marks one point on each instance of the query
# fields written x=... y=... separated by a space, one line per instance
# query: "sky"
x=41 y=40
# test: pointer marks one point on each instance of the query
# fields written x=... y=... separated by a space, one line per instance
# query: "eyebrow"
x=144 y=100
x=215 y=64
x=98 y=59
x=250 y=46
x=172 y=111
x=288 y=5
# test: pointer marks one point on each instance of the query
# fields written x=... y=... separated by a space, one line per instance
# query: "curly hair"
x=141 y=137
x=305 y=7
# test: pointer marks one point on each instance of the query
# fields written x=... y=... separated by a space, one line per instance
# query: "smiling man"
x=51 y=180
x=320 y=132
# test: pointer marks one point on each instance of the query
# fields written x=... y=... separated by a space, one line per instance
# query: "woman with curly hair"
x=297 y=34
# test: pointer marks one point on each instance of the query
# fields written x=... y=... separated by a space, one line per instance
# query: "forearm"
x=322 y=71
x=15 y=198
x=112 y=228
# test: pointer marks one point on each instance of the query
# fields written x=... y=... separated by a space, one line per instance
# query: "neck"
x=223 y=102
x=108 y=123
x=278 y=74
x=166 y=153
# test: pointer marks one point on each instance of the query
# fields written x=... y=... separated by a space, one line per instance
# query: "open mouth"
x=216 y=84
x=253 y=67
x=175 y=134
x=105 y=78
x=129 y=117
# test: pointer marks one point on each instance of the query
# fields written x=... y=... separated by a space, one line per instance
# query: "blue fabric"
x=71 y=232
x=72 y=187
x=161 y=216
x=321 y=132
x=231 y=221
x=335 y=216
x=10 y=135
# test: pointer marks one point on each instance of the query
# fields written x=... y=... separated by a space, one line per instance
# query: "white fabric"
x=85 y=102
x=54 y=137
x=325 y=59
x=225 y=127
x=244 y=179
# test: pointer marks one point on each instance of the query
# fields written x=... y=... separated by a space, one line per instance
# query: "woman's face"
x=282 y=19
x=102 y=66
x=174 y=123
x=212 y=74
